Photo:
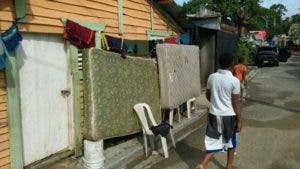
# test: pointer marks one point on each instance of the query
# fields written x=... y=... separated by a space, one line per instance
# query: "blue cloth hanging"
x=11 y=37
x=3 y=54
x=115 y=44
x=185 y=39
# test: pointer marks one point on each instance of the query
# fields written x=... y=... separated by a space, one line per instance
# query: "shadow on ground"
x=195 y=156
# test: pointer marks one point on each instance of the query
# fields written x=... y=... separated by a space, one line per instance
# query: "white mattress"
x=179 y=73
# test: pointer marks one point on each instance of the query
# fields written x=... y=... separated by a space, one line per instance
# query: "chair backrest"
x=143 y=109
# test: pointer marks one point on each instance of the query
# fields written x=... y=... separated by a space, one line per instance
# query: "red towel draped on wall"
x=78 y=35
x=171 y=40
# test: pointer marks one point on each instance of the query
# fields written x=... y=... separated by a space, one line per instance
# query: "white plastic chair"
x=142 y=109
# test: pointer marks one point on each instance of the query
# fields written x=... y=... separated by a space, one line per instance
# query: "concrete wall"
x=206 y=39
x=225 y=43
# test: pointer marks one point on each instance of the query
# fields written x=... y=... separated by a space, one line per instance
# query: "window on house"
x=154 y=34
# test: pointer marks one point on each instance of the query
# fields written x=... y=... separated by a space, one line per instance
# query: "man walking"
x=240 y=70
x=224 y=117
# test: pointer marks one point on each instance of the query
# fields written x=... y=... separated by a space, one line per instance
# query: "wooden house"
x=41 y=89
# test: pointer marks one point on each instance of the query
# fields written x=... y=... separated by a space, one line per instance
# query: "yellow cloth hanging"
x=104 y=42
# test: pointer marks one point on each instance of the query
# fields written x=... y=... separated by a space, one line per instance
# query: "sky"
x=293 y=6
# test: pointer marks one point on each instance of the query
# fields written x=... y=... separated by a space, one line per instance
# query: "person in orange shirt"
x=239 y=71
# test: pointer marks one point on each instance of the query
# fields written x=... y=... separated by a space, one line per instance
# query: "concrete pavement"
x=271 y=133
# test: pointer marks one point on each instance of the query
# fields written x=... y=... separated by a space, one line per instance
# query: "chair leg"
x=172 y=138
x=179 y=115
x=171 y=114
x=164 y=146
x=146 y=145
x=188 y=104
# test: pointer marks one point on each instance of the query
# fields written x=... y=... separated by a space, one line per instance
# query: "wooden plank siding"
x=4 y=135
x=43 y=16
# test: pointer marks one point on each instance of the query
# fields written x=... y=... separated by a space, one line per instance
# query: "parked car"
x=266 y=55
x=283 y=55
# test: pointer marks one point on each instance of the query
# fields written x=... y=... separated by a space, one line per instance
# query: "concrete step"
x=180 y=135
x=131 y=153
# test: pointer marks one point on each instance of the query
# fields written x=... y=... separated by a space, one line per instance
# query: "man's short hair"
x=226 y=60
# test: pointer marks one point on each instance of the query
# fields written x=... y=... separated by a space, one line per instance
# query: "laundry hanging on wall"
x=171 y=40
x=3 y=54
x=152 y=47
x=78 y=35
x=185 y=39
x=145 y=48
x=125 y=46
x=11 y=37
x=136 y=47
x=112 y=44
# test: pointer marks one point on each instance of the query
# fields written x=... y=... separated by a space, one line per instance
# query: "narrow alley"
x=271 y=126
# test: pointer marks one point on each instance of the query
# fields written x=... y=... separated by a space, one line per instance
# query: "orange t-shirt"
x=239 y=70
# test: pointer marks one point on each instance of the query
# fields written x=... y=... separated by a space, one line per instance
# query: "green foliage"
x=254 y=16
x=296 y=18
x=226 y=8
x=279 y=9
x=296 y=33
x=257 y=17
x=246 y=50
x=255 y=23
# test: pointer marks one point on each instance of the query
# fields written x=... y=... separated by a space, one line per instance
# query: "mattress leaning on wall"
x=179 y=73
x=113 y=85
